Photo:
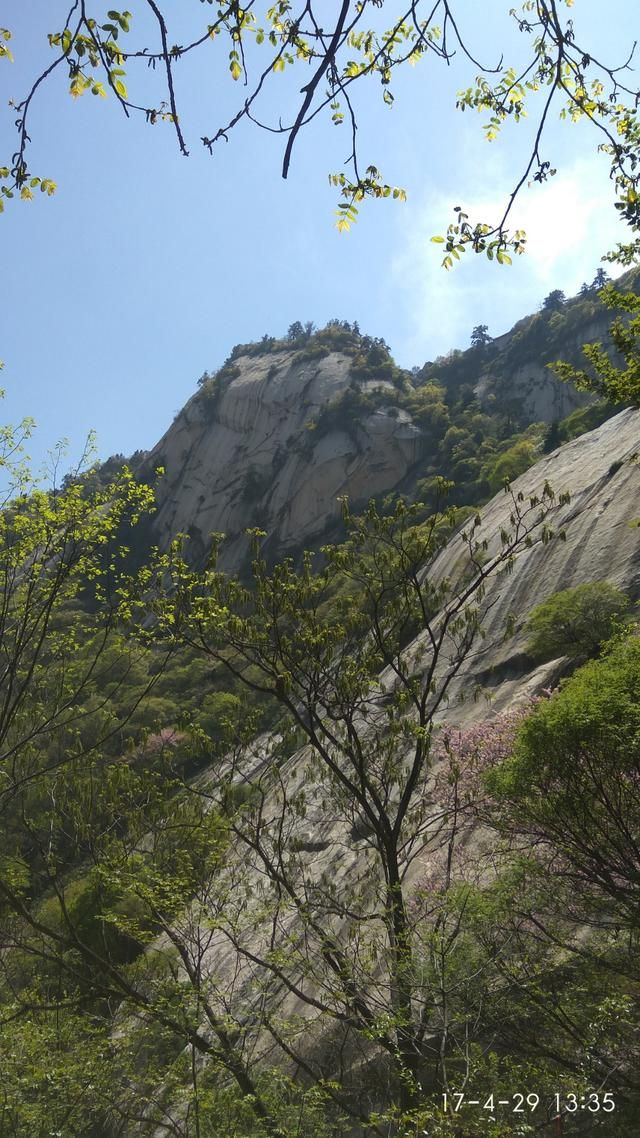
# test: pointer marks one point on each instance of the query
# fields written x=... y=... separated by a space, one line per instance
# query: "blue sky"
x=146 y=267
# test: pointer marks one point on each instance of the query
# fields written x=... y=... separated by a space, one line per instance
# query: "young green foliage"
x=336 y=57
x=609 y=382
x=576 y=622
x=366 y=706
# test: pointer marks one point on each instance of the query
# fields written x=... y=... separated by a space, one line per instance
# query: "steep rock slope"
x=283 y=430
x=511 y=370
x=250 y=458
x=517 y=371
x=601 y=474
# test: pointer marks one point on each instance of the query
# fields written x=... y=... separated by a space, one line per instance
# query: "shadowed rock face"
x=255 y=459
x=528 y=384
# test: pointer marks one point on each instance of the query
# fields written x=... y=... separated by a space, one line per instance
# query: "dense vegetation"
x=576 y=622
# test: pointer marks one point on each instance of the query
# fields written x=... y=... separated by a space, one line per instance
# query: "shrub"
x=510 y=464
x=213 y=386
x=572 y=783
x=256 y=483
x=313 y=351
x=216 y=709
x=576 y=622
x=581 y=420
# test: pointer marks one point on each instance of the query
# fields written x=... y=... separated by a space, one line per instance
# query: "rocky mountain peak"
x=258 y=446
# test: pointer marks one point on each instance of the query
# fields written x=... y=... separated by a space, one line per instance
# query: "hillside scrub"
x=617 y=385
x=369 y=761
x=227 y=935
x=576 y=622
x=572 y=783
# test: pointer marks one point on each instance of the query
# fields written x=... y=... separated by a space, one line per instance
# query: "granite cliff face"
x=511 y=370
x=517 y=368
x=273 y=442
x=253 y=457
x=601 y=473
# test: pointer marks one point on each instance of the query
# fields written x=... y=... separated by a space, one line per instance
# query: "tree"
x=508 y=465
x=480 y=336
x=63 y=562
x=601 y=279
x=555 y=301
x=573 y=783
x=79 y=901
x=617 y=385
x=562 y=986
x=576 y=622
x=334 y=56
x=355 y=957
x=553 y=436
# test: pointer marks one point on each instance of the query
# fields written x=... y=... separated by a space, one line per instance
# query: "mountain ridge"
x=285 y=429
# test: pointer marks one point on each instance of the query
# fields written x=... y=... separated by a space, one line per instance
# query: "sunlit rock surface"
x=601 y=474
x=256 y=458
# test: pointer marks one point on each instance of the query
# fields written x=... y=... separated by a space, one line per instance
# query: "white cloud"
x=570 y=222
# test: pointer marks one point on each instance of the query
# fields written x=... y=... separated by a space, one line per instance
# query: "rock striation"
x=600 y=472
x=254 y=456
x=596 y=536
x=280 y=434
